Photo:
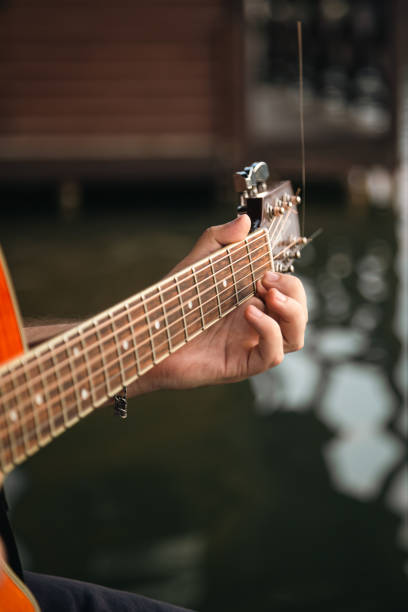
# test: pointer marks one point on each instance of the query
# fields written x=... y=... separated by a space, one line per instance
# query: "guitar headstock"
x=274 y=208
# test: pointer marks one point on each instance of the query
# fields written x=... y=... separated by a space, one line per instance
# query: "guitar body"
x=14 y=595
x=11 y=337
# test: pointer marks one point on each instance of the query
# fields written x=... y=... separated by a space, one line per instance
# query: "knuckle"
x=209 y=232
x=276 y=359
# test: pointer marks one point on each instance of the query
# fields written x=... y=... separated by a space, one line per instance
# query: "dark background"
x=120 y=126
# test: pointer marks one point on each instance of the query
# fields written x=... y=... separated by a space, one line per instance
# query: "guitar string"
x=21 y=422
x=30 y=417
x=24 y=359
x=43 y=357
x=149 y=299
x=147 y=341
x=158 y=347
x=302 y=122
x=122 y=355
x=26 y=418
x=114 y=317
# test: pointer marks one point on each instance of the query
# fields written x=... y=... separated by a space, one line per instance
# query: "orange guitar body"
x=14 y=595
x=11 y=339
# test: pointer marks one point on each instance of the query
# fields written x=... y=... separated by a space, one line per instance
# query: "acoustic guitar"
x=46 y=390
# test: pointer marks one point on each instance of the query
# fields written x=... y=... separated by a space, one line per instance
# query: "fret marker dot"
x=84 y=394
x=13 y=416
x=76 y=351
x=38 y=399
x=125 y=345
x=224 y=283
x=190 y=305
x=157 y=325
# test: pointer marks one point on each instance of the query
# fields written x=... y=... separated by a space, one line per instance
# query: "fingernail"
x=253 y=310
x=270 y=278
x=280 y=297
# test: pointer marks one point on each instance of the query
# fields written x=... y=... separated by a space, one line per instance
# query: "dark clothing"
x=63 y=595
x=7 y=536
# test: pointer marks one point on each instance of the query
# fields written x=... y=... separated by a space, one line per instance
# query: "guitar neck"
x=49 y=389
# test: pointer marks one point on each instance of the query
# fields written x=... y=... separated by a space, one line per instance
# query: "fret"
x=40 y=410
x=157 y=324
x=17 y=415
x=125 y=339
x=86 y=390
x=270 y=263
x=250 y=263
x=260 y=255
x=234 y=280
x=101 y=353
x=142 y=338
x=43 y=405
x=166 y=322
x=118 y=350
x=15 y=429
x=241 y=270
x=132 y=340
x=190 y=304
x=174 y=314
x=55 y=399
x=67 y=362
x=107 y=372
x=216 y=287
x=149 y=328
x=65 y=409
x=182 y=308
x=208 y=294
x=95 y=363
x=224 y=281
x=27 y=408
x=198 y=298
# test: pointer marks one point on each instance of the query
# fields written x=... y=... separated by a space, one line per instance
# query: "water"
x=284 y=494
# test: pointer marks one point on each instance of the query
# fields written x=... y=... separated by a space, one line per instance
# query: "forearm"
x=35 y=332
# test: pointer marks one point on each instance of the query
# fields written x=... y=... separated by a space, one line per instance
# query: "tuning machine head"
x=252 y=179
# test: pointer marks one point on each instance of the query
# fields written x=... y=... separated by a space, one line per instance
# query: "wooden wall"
x=119 y=81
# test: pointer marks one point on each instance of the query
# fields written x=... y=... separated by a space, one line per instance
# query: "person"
x=251 y=339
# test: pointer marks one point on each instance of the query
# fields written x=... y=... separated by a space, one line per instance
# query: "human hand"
x=248 y=341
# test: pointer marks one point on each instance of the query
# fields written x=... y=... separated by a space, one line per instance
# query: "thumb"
x=218 y=236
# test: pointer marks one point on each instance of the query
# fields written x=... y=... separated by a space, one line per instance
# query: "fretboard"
x=49 y=389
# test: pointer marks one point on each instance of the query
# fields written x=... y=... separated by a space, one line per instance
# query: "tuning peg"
x=260 y=172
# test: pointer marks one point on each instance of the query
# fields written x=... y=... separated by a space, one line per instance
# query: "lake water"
x=284 y=493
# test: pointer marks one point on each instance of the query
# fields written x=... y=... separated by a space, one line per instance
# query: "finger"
x=269 y=351
x=287 y=284
x=220 y=235
x=291 y=316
